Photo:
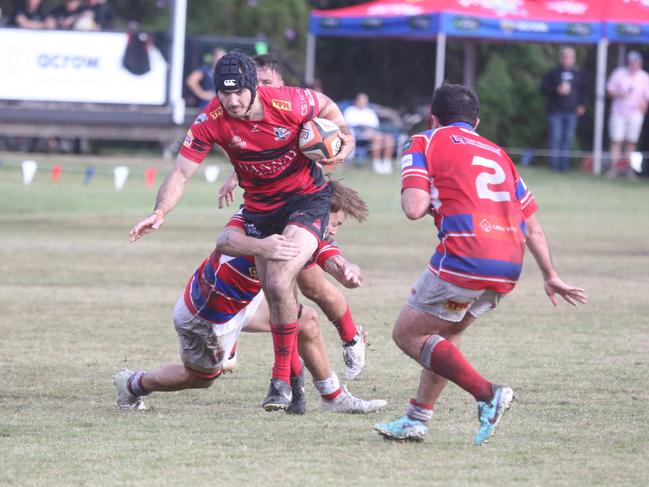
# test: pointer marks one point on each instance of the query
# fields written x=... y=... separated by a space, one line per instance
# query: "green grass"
x=78 y=302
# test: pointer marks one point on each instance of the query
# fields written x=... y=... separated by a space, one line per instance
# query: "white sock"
x=327 y=386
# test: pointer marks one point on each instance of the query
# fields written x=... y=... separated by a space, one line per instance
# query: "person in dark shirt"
x=67 y=14
x=564 y=88
x=31 y=16
x=200 y=81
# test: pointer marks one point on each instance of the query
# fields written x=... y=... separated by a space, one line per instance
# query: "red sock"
x=296 y=362
x=447 y=360
x=346 y=326
x=283 y=338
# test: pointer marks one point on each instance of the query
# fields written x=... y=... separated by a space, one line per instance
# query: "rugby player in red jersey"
x=485 y=215
x=311 y=280
x=223 y=298
x=284 y=191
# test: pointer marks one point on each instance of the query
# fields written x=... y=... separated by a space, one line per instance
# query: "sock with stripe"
x=445 y=359
x=419 y=411
x=329 y=388
x=346 y=326
x=134 y=384
x=283 y=338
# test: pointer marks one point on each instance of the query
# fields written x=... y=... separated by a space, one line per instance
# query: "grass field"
x=78 y=302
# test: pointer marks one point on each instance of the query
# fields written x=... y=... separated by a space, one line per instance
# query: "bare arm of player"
x=415 y=203
x=233 y=241
x=226 y=191
x=330 y=111
x=169 y=194
x=553 y=285
x=346 y=273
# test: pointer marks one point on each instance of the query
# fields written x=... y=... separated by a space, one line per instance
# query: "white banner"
x=77 y=67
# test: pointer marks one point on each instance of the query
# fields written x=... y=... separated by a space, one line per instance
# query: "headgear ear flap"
x=236 y=71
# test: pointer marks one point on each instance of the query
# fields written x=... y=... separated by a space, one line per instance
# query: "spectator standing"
x=564 y=88
x=30 y=15
x=364 y=123
x=628 y=86
x=200 y=81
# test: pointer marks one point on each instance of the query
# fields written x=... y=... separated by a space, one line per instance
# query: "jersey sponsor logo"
x=252 y=270
x=237 y=142
x=268 y=168
x=281 y=133
x=406 y=161
x=189 y=138
x=461 y=139
x=255 y=128
x=230 y=82
x=200 y=119
x=304 y=109
x=455 y=305
x=489 y=227
x=281 y=104
x=216 y=113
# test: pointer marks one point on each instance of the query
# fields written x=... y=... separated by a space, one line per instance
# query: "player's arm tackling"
x=346 y=273
x=234 y=242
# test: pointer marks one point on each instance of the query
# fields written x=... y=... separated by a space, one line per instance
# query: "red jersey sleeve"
x=414 y=168
x=325 y=251
x=525 y=198
x=198 y=140
x=308 y=105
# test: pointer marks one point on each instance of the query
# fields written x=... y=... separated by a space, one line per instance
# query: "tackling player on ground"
x=485 y=215
x=311 y=280
x=223 y=298
x=284 y=192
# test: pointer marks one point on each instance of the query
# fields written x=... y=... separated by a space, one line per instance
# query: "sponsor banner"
x=520 y=29
x=72 y=66
x=627 y=32
x=420 y=26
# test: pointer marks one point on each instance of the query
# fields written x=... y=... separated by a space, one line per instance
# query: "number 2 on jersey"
x=484 y=179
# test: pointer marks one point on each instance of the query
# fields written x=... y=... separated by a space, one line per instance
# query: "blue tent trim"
x=456 y=25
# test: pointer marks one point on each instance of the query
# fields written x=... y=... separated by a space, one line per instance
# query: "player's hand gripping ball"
x=319 y=139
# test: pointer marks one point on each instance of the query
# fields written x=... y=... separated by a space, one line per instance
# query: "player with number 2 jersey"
x=484 y=215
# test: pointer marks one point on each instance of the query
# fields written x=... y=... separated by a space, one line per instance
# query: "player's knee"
x=201 y=379
x=278 y=286
x=400 y=335
x=308 y=323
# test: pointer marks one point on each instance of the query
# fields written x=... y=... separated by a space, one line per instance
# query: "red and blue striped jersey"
x=265 y=153
x=479 y=203
x=224 y=285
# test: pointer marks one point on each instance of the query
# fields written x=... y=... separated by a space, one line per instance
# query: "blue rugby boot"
x=490 y=414
x=403 y=428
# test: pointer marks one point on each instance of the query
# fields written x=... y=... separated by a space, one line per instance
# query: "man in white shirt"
x=628 y=86
x=364 y=123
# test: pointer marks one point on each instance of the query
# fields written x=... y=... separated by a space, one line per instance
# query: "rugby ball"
x=319 y=139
